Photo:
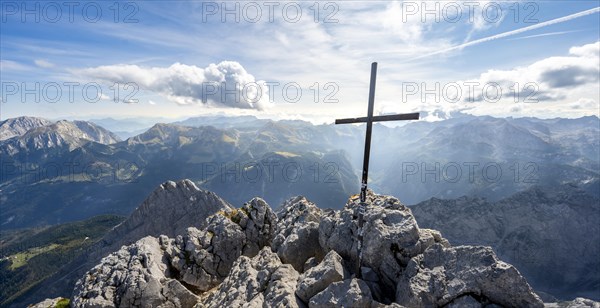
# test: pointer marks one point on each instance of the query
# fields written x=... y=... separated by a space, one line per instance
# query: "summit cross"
x=369 y=119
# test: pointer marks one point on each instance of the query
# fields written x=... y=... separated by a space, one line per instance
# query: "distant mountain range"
x=54 y=172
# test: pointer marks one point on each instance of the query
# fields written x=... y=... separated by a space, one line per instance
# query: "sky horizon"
x=298 y=60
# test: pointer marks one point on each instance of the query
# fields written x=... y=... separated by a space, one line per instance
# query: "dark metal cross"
x=369 y=119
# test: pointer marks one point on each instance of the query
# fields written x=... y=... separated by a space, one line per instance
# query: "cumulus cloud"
x=550 y=79
x=559 y=86
x=226 y=84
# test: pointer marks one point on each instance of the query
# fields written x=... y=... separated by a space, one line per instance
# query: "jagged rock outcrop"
x=232 y=262
x=169 y=210
x=262 y=281
x=391 y=237
x=135 y=276
x=297 y=233
x=203 y=258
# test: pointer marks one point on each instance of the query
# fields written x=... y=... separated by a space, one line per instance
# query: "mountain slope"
x=28 y=256
x=18 y=126
x=169 y=210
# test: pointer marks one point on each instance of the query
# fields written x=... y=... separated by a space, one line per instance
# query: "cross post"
x=369 y=119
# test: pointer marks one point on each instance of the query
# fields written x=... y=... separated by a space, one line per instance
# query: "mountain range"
x=533 y=215
x=54 y=172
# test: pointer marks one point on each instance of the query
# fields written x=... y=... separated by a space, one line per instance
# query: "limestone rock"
x=203 y=258
x=347 y=293
x=391 y=236
x=169 y=210
x=441 y=275
x=135 y=276
x=262 y=281
x=297 y=233
x=250 y=257
x=316 y=279
x=537 y=230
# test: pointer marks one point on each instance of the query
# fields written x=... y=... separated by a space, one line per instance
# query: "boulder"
x=297 y=234
x=391 y=236
x=442 y=275
x=316 y=279
x=347 y=293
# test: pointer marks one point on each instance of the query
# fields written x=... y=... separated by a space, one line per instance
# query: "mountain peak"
x=301 y=256
x=170 y=210
x=18 y=126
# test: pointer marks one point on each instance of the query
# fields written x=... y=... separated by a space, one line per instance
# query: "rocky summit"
x=302 y=256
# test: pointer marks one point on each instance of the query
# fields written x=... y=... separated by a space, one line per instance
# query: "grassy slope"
x=28 y=256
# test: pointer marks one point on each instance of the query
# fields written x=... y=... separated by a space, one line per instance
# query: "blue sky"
x=169 y=58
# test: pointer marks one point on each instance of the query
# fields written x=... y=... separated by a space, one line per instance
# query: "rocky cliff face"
x=551 y=235
x=302 y=256
x=169 y=211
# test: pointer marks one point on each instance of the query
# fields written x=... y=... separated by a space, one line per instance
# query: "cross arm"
x=392 y=117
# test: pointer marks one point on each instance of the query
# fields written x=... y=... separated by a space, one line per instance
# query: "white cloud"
x=8 y=65
x=225 y=84
x=587 y=51
x=551 y=78
x=560 y=86
x=43 y=63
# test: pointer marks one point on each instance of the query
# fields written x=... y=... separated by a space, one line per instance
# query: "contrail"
x=513 y=32
x=544 y=34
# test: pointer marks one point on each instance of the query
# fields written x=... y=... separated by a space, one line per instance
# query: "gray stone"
x=258 y=282
x=391 y=236
x=135 y=276
x=169 y=210
x=539 y=231
x=310 y=263
x=297 y=234
x=203 y=258
x=441 y=275
x=347 y=293
x=316 y=279
x=229 y=262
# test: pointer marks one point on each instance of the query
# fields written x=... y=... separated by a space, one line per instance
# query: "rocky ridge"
x=18 y=126
x=169 y=210
x=303 y=256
